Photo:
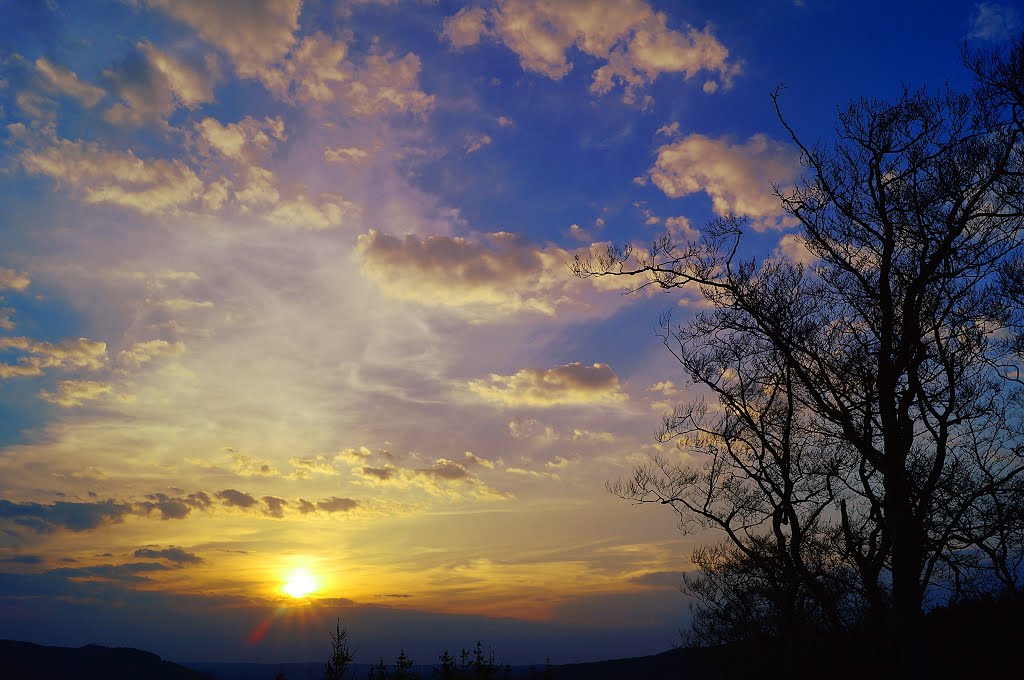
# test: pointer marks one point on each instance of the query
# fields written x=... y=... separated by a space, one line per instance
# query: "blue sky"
x=285 y=287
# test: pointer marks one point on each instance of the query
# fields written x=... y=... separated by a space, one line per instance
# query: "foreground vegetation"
x=860 y=445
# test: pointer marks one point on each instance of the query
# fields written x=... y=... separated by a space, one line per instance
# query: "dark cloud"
x=22 y=559
x=382 y=474
x=132 y=572
x=235 y=498
x=175 y=555
x=305 y=506
x=444 y=469
x=63 y=515
x=174 y=507
x=335 y=504
x=275 y=506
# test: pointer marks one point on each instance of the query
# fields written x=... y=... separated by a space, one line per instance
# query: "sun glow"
x=300 y=583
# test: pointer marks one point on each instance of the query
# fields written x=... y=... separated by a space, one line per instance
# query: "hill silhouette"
x=28 y=661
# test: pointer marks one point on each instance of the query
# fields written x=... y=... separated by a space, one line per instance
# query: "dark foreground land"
x=971 y=640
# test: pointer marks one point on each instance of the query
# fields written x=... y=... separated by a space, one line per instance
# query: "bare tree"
x=865 y=443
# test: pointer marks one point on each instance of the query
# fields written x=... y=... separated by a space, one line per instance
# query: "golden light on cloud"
x=299 y=583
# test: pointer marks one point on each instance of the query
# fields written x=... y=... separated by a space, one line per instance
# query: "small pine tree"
x=403 y=668
x=339 y=665
x=448 y=667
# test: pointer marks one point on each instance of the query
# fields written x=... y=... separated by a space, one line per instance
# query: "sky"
x=287 y=327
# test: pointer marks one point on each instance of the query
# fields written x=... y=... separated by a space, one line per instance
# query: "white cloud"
x=737 y=177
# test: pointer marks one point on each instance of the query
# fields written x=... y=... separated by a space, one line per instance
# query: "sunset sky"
x=284 y=286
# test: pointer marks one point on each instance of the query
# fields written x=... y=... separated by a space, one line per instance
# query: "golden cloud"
x=37 y=355
x=569 y=384
x=737 y=177
x=75 y=392
x=116 y=177
x=498 y=275
x=634 y=43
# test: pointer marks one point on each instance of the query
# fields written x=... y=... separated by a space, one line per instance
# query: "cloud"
x=236 y=499
x=174 y=507
x=475 y=142
x=151 y=84
x=335 y=504
x=143 y=352
x=574 y=383
x=444 y=469
x=301 y=213
x=793 y=247
x=59 y=79
x=175 y=555
x=737 y=177
x=465 y=27
x=275 y=506
x=13 y=280
x=116 y=177
x=633 y=44
x=993 y=21
x=382 y=474
x=323 y=465
x=22 y=559
x=318 y=71
x=253 y=33
x=247 y=466
x=498 y=275
x=76 y=517
x=680 y=229
x=242 y=140
x=37 y=355
x=531 y=428
x=345 y=154
x=75 y=392
x=129 y=573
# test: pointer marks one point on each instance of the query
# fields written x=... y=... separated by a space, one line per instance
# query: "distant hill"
x=28 y=661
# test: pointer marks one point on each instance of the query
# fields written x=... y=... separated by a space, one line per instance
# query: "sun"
x=300 y=583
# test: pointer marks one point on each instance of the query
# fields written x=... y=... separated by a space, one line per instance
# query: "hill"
x=28 y=661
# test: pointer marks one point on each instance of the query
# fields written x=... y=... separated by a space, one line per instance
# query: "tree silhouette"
x=863 y=448
x=339 y=666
